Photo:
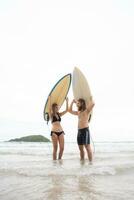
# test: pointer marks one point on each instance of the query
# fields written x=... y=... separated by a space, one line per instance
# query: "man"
x=83 y=137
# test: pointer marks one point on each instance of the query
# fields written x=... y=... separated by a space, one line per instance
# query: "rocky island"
x=31 y=138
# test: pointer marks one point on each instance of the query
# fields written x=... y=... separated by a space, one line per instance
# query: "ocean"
x=27 y=172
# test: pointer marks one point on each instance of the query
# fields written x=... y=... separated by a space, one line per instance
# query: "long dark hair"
x=83 y=104
x=53 y=108
x=50 y=115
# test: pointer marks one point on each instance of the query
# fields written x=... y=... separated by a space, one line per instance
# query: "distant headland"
x=31 y=138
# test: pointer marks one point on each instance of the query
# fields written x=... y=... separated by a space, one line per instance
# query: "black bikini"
x=55 y=119
x=57 y=133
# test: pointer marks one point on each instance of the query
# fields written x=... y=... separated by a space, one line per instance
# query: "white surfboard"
x=80 y=86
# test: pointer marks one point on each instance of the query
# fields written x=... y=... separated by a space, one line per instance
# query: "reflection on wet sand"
x=70 y=185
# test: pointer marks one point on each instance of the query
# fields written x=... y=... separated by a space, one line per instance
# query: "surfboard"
x=58 y=94
x=80 y=86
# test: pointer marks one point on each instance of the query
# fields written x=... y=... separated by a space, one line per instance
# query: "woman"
x=57 y=133
x=83 y=137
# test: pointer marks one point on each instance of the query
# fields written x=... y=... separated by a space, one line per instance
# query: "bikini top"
x=55 y=119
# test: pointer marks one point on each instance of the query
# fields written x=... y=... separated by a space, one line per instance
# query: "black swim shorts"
x=83 y=136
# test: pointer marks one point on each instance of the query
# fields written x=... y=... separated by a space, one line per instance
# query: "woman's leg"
x=61 y=145
x=82 y=155
x=55 y=145
x=89 y=152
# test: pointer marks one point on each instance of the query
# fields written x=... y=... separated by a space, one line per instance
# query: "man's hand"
x=74 y=101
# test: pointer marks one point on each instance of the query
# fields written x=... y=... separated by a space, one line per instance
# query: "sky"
x=41 y=41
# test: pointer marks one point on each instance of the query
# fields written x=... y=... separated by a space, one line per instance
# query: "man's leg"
x=89 y=152
x=82 y=154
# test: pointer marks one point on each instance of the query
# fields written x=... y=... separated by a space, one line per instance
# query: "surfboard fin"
x=46 y=117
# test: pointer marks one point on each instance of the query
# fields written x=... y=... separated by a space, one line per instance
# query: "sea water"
x=27 y=172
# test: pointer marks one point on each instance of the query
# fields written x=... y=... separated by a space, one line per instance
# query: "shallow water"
x=28 y=172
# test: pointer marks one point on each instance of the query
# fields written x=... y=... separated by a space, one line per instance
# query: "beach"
x=27 y=171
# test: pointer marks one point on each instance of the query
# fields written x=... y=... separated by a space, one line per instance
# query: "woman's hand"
x=67 y=99
x=70 y=108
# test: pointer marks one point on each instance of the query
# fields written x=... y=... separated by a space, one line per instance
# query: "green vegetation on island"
x=31 y=138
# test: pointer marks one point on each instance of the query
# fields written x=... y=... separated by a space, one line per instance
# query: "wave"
x=97 y=155
x=70 y=170
x=25 y=153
